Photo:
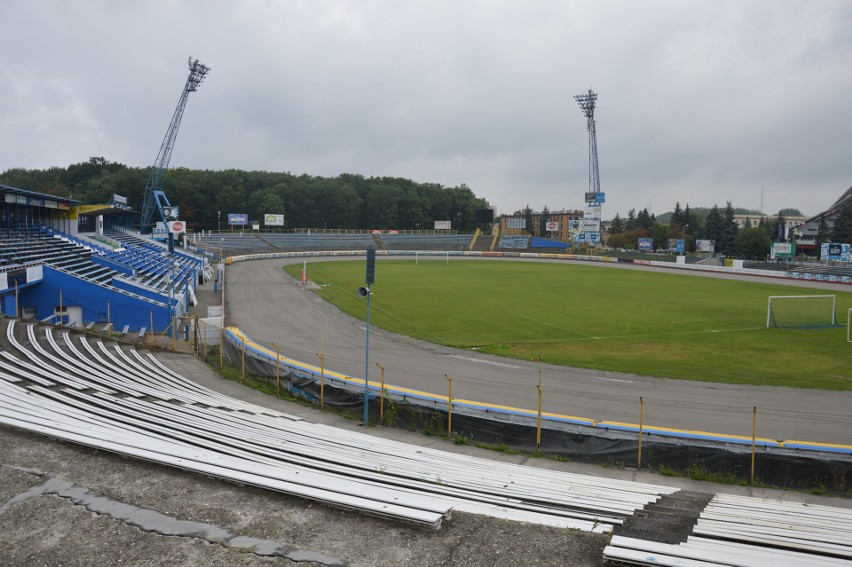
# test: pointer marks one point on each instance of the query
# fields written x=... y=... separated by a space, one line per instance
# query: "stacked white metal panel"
x=744 y=531
x=118 y=400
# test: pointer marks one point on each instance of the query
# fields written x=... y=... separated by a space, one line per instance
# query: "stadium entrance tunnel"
x=698 y=455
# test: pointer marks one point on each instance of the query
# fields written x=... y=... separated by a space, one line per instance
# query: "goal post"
x=801 y=311
x=442 y=257
x=849 y=326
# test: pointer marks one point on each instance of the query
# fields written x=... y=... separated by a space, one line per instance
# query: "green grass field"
x=642 y=322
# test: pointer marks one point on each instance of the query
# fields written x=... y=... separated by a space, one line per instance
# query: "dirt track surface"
x=272 y=308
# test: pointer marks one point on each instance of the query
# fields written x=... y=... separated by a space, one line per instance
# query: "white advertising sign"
x=587 y=225
x=705 y=245
x=552 y=226
x=177 y=227
x=273 y=220
x=443 y=225
x=592 y=213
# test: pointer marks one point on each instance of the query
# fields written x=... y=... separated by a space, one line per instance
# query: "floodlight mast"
x=587 y=103
x=155 y=198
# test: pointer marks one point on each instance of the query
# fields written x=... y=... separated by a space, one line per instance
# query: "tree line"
x=347 y=201
x=753 y=239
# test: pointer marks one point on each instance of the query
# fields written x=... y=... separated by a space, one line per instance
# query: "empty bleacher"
x=231 y=244
x=32 y=248
x=436 y=241
x=112 y=397
x=306 y=241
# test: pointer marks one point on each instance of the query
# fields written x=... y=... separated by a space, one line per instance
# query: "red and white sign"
x=177 y=227
x=552 y=226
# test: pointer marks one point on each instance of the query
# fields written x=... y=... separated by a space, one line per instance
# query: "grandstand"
x=56 y=272
x=259 y=243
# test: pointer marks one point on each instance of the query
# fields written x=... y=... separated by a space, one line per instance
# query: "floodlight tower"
x=587 y=103
x=154 y=196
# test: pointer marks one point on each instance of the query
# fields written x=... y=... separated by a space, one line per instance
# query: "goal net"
x=801 y=311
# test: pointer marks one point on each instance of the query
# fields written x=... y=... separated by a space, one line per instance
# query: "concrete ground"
x=62 y=504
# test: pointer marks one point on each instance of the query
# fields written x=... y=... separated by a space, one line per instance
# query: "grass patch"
x=642 y=322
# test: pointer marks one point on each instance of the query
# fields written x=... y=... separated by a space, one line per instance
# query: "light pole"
x=218 y=221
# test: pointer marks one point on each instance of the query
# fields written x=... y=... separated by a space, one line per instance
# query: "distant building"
x=559 y=221
x=791 y=222
x=806 y=231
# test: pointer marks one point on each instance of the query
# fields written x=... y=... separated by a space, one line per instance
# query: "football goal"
x=442 y=257
x=801 y=311
x=849 y=326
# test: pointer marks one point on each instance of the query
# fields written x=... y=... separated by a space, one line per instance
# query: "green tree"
x=644 y=220
x=822 y=234
x=630 y=223
x=713 y=226
x=677 y=221
x=781 y=226
x=728 y=232
x=753 y=242
x=617 y=225
x=660 y=234
x=528 y=219
x=542 y=225
x=841 y=231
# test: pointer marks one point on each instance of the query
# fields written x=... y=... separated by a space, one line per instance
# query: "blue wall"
x=124 y=309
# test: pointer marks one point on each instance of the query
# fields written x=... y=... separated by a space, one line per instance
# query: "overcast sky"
x=698 y=101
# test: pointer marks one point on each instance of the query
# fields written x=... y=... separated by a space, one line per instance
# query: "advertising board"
x=552 y=226
x=646 y=244
x=238 y=219
x=586 y=225
x=782 y=250
x=705 y=245
x=835 y=252
x=270 y=219
x=177 y=227
x=443 y=225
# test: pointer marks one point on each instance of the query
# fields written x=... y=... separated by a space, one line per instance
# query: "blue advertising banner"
x=646 y=244
x=237 y=218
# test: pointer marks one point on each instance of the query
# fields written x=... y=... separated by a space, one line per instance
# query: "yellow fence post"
x=222 y=346
x=174 y=333
x=204 y=340
x=60 y=306
x=382 y=399
x=109 y=319
x=753 y=438
x=321 y=356
x=243 y=374
x=641 y=420
x=17 y=309
x=151 y=328
x=449 y=406
x=277 y=369
x=538 y=420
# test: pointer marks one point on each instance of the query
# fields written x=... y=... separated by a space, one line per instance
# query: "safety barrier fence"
x=536 y=430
